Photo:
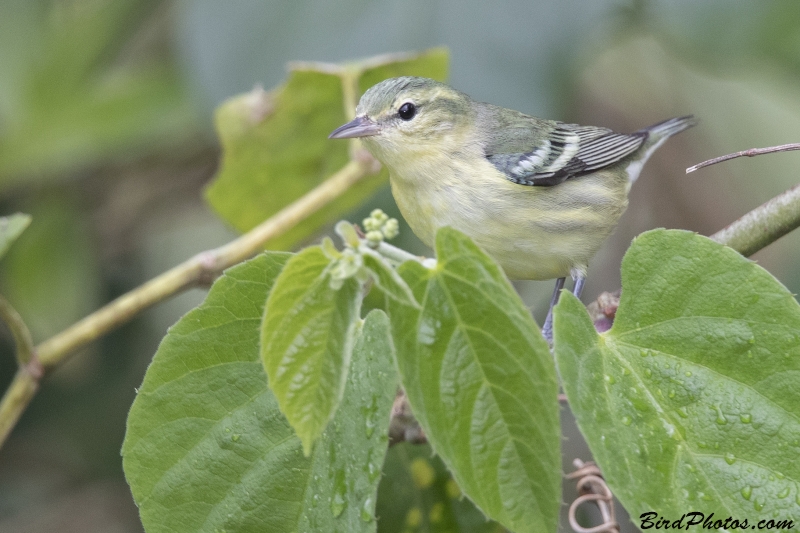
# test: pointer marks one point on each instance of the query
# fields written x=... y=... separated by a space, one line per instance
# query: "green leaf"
x=12 y=227
x=275 y=144
x=418 y=494
x=481 y=381
x=307 y=340
x=691 y=400
x=348 y=459
x=207 y=448
x=388 y=280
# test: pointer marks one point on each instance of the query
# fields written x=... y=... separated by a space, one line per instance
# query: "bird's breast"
x=533 y=232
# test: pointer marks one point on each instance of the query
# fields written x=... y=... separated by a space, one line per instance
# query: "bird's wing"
x=566 y=151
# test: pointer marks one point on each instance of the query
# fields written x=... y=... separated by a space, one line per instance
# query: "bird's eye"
x=407 y=111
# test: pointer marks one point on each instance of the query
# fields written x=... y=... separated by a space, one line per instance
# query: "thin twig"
x=746 y=153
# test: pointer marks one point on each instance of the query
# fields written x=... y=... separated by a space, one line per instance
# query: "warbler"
x=539 y=196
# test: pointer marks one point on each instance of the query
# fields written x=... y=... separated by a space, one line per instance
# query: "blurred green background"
x=106 y=138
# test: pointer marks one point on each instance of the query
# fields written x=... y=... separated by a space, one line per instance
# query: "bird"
x=539 y=196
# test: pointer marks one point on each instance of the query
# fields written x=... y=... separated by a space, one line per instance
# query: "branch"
x=767 y=223
x=26 y=381
x=764 y=224
x=201 y=269
x=745 y=153
x=760 y=227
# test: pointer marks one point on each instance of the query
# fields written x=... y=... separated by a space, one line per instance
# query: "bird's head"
x=407 y=116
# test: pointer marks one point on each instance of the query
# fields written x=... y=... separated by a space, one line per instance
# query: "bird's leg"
x=580 y=281
x=547 y=329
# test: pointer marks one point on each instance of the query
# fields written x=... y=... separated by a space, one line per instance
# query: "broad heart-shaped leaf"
x=691 y=402
x=10 y=228
x=481 y=381
x=207 y=448
x=307 y=339
x=275 y=145
x=417 y=493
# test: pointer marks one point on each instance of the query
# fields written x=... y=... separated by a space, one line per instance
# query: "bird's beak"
x=358 y=127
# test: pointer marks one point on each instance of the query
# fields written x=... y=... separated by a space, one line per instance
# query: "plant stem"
x=764 y=224
x=16 y=399
x=394 y=253
x=19 y=331
x=746 y=153
x=200 y=269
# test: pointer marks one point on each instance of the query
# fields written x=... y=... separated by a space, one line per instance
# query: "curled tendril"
x=592 y=488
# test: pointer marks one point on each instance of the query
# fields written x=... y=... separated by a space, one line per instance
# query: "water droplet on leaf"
x=373 y=472
x=371 y=415
x=366 y=510
x=339 y=502
x=730 y=458
x=721 y=420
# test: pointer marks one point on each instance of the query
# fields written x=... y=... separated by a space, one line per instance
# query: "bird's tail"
x=668 y=128
x=656 y=135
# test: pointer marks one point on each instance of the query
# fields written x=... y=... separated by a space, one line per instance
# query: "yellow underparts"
x=532 y=232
